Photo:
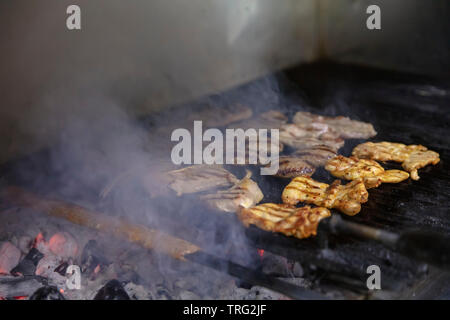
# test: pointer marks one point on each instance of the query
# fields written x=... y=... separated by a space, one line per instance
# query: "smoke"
x=101 y=147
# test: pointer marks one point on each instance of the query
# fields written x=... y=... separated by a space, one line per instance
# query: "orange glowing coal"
x=260 y=252
x=38 y=240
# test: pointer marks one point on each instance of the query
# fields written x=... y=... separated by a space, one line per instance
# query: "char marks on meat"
x=288 y=220
x=345 y=198
x=370 y=171
x=412 y=157
x=291 y=167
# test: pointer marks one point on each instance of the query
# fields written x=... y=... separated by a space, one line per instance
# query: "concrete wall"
x=414 y=35
x=146 y=54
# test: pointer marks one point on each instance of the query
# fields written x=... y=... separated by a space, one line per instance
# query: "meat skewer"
x=345 y=198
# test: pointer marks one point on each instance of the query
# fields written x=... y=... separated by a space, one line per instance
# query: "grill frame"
x=400 y=110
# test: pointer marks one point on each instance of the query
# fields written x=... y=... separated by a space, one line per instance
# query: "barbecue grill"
x=403 y=229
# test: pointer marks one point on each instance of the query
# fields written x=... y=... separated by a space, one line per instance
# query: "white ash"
x=145 y=275
x=9 y=256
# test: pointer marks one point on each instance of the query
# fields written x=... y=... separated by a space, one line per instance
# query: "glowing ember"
x=61 y=290
x=9 y=257
x=63 y=244
x=38 y=240
x=260 y=252
x=20 y=297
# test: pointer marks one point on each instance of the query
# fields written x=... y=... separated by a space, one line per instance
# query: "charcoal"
x=9 y=257
x=62 y=268
x=27 y=266
x=20 y=286
x=91 y=257
x=113 y=290
x=47 y=293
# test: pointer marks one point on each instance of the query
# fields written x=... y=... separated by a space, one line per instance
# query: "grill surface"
x=402 y=108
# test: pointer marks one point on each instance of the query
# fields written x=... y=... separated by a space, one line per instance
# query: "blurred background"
x=148 y=55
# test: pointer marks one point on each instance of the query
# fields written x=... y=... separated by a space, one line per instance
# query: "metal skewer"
x=431 y=248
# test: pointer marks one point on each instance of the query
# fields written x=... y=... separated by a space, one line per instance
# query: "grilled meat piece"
x=346 y=198
x=244 y=193
x=420 y=159
x=271 y=119
x=304 y=162
x=313 y=137
x=370 y=171
x=200 y=178
x=316 y=156
x=412 y=157
x=261 y=150
x=291 y=167
x=216 y=116
x=386 y=151
x=343 y=126
x=288 y=220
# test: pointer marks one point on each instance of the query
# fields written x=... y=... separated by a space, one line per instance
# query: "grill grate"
x=402 y=108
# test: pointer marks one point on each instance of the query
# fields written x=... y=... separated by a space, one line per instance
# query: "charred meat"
x=291 y=167
x=345 y=198
x=412 y=157
x=288 y=220
x=344 y=127
x=370 y=171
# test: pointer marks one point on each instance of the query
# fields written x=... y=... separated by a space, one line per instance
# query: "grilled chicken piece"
x=370 y=171
x=200 y=178
x=288 y=220
x=420 y=159
x=343 y=126
x=291 y=167
x=346 y=198
x=244 y=193
x=412 y=157
x=312 y=137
